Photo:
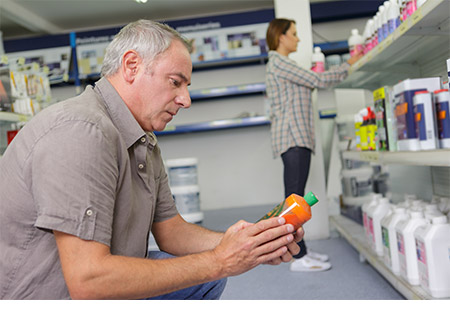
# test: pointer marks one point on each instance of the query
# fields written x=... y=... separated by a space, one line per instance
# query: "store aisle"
x=348 y=279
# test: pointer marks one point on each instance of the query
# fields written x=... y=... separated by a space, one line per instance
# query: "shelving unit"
x=418 y=48
x=13 y=117
x=354 y=234
x=227 y=91
x=436 y=158
x=215 y=125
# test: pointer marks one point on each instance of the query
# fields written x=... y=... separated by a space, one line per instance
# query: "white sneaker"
x=309 y=265
x=317 y=256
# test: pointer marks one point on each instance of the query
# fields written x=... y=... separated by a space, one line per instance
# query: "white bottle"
x=318 y=60
x=389 y=234
x=433 y=245
x=376 y=27
x=420 y=3
x=355 y=43
x=407 y=245
x=393 y=16
x=380 y=14
x=384 y=20
x=367 y=209
x=375 y=216
x=367 y=35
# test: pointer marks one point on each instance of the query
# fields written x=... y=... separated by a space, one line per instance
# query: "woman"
x=289 y=89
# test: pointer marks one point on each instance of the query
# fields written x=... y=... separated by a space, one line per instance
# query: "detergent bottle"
x=295 y=209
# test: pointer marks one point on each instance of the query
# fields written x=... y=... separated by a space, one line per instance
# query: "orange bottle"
x=295 y=209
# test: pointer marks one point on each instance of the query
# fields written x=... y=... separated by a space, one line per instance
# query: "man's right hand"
x=246 y=245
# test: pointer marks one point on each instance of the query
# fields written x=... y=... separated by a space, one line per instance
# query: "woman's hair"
x=147 y=38
x=276 y=28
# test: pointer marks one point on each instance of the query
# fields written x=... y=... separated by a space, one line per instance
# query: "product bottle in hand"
x=295 y=209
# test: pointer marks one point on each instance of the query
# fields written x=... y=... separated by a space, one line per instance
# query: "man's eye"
x=175 y=82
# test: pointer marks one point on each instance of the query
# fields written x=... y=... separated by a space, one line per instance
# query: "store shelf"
x=421 y=43
x=215 y=125
x=439 y=158
x=260 y=59
x=354 y=234
x=13 y=117
x=227 y=91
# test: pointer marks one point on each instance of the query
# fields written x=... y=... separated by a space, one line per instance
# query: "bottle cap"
x=311 y=199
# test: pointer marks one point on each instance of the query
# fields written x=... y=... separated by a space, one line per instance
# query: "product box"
x=407 y=138
x=386 y=138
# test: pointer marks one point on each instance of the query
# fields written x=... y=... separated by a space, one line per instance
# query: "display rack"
x=421 y=40
x=354 y=234
x=215 y=125
x=13 y=117
x=436 y=158
x=227 y=91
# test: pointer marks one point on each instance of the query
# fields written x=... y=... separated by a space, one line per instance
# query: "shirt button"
x=141 y=166
x=143 y=139
x=89 y=212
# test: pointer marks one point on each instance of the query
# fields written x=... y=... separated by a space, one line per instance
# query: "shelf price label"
x=416 y=16
x=403 y=27
x=369 y=156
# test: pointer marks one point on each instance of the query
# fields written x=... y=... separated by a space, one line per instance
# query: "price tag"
x=22 y=117
x=388 y=41
x=416 y=16
x=4 y=59
x=403 y=27
x=380 y=47
x=369 y=156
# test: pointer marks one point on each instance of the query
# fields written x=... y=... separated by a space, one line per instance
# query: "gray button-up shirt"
x=84 y=167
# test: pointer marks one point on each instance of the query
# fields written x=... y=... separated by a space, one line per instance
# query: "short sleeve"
x=74 y=174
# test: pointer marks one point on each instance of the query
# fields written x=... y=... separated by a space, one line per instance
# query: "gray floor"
x=349 y=279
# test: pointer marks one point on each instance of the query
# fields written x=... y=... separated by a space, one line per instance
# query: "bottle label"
x=354 y=50
x=275 y=212
x=318 y=66
x=422 y=263
x=401 y=253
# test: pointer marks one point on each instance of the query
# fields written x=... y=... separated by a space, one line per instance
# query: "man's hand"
x=246 y=245
x=293 y=249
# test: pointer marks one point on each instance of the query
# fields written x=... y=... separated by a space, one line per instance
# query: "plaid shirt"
x=289 y=89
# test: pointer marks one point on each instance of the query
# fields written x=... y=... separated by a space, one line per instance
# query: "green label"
x=275 y=212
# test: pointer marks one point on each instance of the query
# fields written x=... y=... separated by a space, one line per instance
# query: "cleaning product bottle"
x=384 y=19
x=393 y=16
x=318 y=60
x=367 y=35
x=363 y=130
x=376 y=27
x=371 y=129
x=389 y=234
x=367 y=209
x=295 y=209
x=355 y=43
x=358 y=120
x=407 y=246
x=380 y=15
x=433 y=245
x=375 y=216
x=442 y=104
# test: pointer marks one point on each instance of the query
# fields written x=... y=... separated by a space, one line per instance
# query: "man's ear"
x=130 y=65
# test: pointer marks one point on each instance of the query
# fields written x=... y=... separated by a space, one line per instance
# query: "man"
x=83 y=183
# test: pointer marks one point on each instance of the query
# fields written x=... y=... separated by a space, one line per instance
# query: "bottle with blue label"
x=442 y=101
x=426 y=128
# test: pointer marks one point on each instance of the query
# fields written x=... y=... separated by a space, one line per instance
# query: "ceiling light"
x=141 y=1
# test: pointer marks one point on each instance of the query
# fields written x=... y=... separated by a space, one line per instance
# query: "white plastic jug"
x=375 y=216
x=390 y=248
x=407 y=245
x=433 y=250
x=355 y=43
x=366 y=208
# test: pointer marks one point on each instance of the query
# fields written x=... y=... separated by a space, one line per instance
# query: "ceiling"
x=25 y=18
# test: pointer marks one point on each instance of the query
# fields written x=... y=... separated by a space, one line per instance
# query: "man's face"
x=163 y=89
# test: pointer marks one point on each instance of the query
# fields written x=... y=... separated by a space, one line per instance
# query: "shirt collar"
x=120 y=115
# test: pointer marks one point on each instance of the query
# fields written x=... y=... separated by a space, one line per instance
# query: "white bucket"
x=187 y=200
x=182 y=171
x=357 y=182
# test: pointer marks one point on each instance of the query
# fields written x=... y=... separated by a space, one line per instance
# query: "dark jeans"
x=296 y=163
x=206 y=291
